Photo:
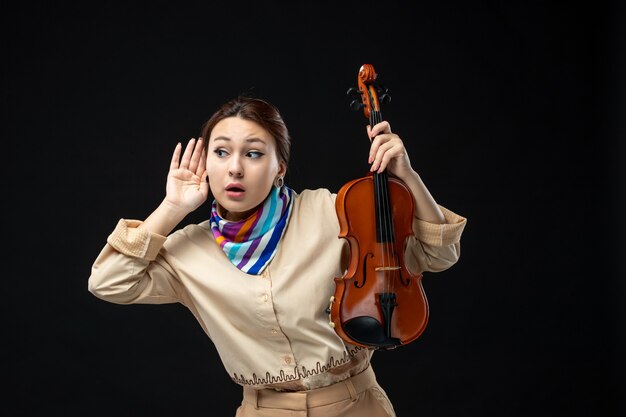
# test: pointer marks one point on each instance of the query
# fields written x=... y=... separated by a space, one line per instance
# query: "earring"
x=279 y=181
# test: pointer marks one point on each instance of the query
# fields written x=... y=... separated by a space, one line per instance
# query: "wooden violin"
x=378 y=303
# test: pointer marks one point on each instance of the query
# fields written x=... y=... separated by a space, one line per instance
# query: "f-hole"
x=356 y=283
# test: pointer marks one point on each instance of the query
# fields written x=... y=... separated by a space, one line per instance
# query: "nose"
x=235 y=169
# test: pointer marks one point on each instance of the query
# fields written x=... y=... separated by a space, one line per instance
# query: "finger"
x=373 y=149
x=386 y=157
x=201 y=170
x=184 y=163
x=376 y=143
x=194 y=163
x=204 y=184
x=377 y=157
x=380 y=128
x=176 y=156
x=385 y=153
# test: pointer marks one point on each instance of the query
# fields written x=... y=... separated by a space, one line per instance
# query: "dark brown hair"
x=258 y=111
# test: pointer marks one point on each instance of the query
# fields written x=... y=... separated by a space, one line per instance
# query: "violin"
x=378 y=303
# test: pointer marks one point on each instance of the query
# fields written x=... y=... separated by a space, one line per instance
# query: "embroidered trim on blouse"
x=298 y=372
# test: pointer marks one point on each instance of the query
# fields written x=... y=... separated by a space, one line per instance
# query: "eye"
x=220 y=152
x=254 y=154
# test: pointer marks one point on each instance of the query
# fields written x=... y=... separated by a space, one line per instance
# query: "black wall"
x=513 y=114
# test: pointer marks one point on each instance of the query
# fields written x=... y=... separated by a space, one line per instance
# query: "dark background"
x=512 y=112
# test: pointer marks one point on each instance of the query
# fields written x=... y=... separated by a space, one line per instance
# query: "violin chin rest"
x=368 y=331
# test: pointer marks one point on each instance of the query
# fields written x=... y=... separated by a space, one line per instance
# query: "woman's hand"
x=387 y=151
x=187 y=184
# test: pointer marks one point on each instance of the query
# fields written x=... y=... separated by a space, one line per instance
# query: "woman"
x=258 y=274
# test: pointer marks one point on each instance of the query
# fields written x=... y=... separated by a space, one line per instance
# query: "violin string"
x=383 y=215
x=383 y=212
x=379 y=223
x=389 y=229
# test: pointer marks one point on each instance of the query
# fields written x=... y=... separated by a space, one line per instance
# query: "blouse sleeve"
x=435 y=247
x=130 y=270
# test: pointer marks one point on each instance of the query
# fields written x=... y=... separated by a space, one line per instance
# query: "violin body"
x=377 y=274
x=378 y=303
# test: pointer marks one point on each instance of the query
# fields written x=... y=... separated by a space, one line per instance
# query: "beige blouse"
x=270 y=330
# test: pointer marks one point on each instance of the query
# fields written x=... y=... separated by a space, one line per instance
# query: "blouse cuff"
x=444 y=234
x=131 y=239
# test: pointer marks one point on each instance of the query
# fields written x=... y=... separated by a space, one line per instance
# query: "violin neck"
x=384 y=218
x=375 y=117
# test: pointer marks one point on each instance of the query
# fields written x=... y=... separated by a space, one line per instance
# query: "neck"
x=235 y=216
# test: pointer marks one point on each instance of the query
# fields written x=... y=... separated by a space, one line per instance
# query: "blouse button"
x=287 y=360
x=265 y=297
x=274 y=331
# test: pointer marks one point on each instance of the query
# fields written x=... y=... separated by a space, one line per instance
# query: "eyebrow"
x=248 y=140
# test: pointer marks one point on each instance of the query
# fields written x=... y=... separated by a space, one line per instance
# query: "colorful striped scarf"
x=250 y=244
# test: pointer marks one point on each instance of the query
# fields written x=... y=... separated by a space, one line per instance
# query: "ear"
x=282 y=169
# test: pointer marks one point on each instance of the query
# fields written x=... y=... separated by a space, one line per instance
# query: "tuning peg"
x=356 y=105
x=381 y=89
x=353 y=91
x=385 y=98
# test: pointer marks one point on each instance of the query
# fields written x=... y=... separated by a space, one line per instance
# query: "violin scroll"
x=368 y=95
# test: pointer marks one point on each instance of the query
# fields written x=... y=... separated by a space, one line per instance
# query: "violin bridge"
x=387 y=268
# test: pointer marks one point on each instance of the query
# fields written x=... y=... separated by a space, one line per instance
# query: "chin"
x=234 y=213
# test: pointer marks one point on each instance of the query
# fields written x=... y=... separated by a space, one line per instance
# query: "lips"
x=235 y=190
x=235 y=187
